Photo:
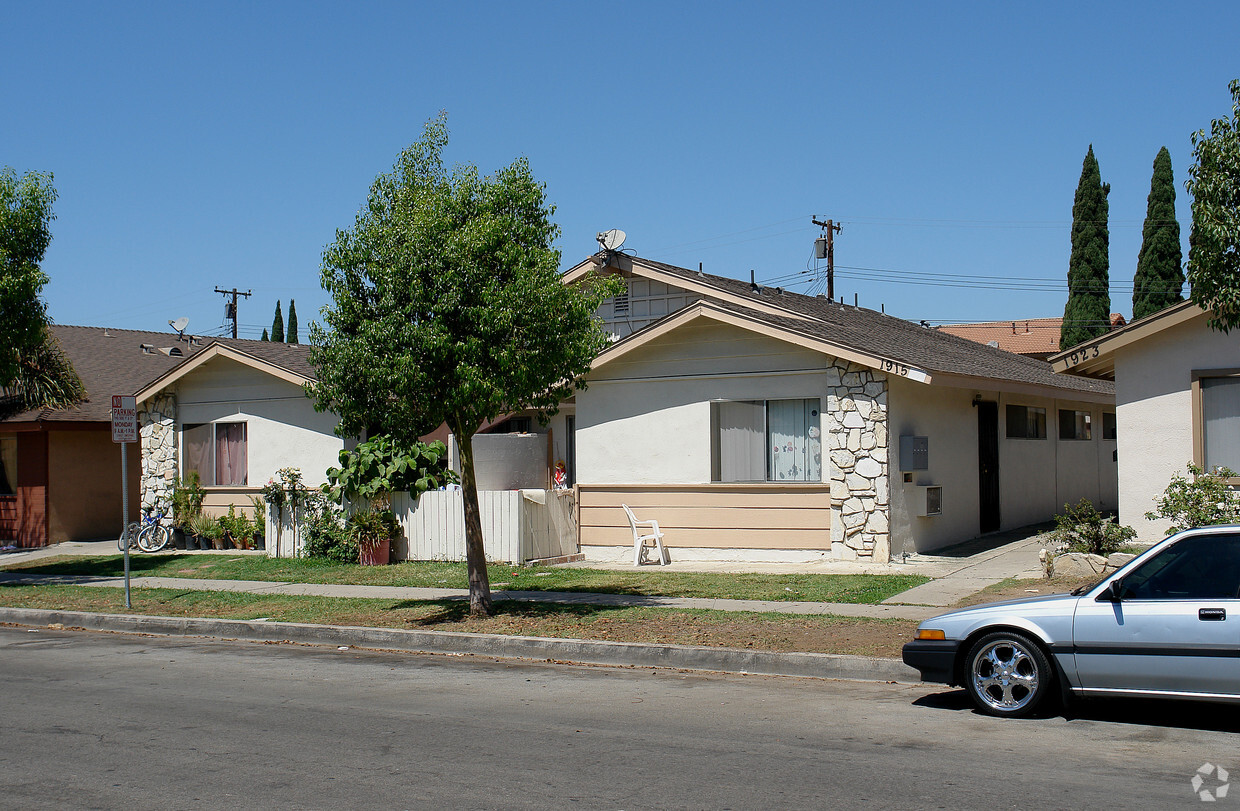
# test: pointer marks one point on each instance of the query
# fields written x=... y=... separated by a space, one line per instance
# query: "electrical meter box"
x=914 y=453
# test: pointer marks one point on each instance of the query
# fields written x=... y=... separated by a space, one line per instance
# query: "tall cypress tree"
x=1160 y=277
x=277 y=325
x=292 y=322
x=1088 y=311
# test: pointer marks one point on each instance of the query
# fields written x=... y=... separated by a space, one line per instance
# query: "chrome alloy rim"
x=1004 y=675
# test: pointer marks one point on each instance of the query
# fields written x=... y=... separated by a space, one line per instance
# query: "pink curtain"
x=230 y=458
x=198 y=441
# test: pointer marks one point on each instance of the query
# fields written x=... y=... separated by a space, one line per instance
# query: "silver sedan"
x=1166 y=625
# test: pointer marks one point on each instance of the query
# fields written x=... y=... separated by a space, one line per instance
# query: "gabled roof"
x=109 y=361
x=853 y=333
x=1096 y=358
x=290 y=362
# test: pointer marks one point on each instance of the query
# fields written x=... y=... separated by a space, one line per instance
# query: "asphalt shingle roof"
x=109 y=361
x=112 y=361
x=877 y=333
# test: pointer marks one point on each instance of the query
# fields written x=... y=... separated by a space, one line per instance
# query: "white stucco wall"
x=1036 y=476
x=1155 y=412
x=282 y=427
x=645 y=419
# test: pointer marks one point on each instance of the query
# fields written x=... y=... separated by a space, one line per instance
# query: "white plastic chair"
x=639 y=540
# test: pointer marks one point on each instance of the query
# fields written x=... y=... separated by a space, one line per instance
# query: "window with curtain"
x=1220 y=422
x=217 y=451
x=8 y=465
x=1026 y=422
x=766 y=440
x=1075 y=424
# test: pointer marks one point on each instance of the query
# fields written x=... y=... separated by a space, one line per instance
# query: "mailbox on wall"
x=914 y=453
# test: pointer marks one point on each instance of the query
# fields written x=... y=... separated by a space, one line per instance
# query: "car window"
x=1206 y=567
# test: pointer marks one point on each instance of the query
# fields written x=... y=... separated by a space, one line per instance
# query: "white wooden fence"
x=517 y=526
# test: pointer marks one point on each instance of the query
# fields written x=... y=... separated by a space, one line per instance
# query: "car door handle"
x=1212 y=614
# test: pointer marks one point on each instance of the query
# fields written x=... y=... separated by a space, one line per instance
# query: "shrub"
x=1205 y=500
x=1083 y=529
x=323 y=530
x=187 y=497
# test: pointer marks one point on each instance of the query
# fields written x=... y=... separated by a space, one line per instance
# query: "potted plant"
x=187 y=497
x=213 y=531
x=237 y=529
x=200 y=529
x=260 y=522
x=373 y=531
x=369 y=475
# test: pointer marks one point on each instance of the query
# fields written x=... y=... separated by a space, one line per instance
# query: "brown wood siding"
x=32 y=489
x=8 y=518
x=725 y=516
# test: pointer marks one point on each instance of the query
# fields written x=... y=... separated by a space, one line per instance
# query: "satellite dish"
x=179 y=325
x=610 y=240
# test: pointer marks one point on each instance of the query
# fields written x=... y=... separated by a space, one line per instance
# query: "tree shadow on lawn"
x=457 y=610
x=113 y=566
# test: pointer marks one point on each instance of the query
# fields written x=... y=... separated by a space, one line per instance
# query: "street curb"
x=624 y=654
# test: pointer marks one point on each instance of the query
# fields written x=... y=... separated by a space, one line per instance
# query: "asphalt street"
x=93 y=720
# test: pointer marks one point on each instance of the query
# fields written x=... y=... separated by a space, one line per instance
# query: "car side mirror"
x=1114 y=592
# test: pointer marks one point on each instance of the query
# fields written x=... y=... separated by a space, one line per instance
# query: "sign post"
x=124 y=431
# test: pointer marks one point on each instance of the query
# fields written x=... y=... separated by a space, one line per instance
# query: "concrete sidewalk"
x=957 y=572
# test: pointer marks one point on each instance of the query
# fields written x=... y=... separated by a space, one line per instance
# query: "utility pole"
x=830 y=229
x=231 y=307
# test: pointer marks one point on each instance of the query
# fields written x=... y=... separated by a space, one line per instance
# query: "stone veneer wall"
x=157 y=429
x=857 y=440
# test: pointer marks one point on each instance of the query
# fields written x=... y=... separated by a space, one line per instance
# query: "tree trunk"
x=475 y=556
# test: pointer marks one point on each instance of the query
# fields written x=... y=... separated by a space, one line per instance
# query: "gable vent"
x=620 y=304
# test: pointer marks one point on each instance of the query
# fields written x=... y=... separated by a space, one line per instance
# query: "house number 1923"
x=1088 y=353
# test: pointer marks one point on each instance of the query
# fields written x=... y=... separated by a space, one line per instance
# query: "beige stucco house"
x=236 y=412
x=754 y=423
x=1177 y=397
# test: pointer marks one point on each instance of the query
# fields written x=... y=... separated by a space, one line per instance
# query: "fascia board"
x=1014 y=387
x=1096 y=357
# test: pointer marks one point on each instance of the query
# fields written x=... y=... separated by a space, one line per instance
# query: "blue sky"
x=222 y=144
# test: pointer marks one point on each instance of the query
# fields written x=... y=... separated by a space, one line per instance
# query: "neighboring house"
x=1177 y=396
x=1032 y=337
x=236 y=412
x=759 y=424
x=60 y=472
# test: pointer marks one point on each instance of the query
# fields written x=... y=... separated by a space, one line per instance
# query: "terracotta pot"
x=376 y=554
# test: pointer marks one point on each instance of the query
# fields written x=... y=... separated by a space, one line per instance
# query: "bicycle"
x=148 y=535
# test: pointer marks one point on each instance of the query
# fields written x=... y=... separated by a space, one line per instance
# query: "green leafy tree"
x=291 y=335
x=1160 y=278
x=1214 y=239
x=264 y=338
x=277 y=325
x=34 y=372
x=1087 y=313
x=447 y=306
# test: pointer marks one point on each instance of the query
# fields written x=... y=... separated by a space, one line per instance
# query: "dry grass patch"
x=774 y=632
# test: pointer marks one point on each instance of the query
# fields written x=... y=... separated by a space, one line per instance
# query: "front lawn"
x=832 y=588
x=775 y=632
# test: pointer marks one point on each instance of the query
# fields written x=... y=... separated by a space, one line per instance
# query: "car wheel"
x=1008 y=675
